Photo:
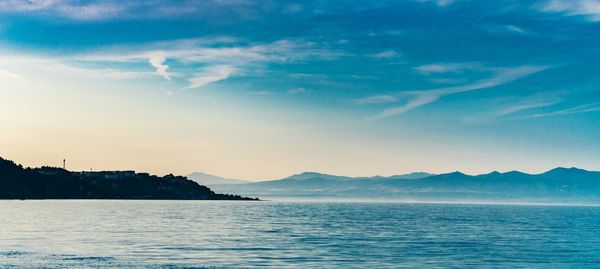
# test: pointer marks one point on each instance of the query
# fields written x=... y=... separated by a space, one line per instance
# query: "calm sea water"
x=190 y=234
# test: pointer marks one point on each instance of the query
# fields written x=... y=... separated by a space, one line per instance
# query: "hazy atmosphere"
x=299 y=134
x=264 y=89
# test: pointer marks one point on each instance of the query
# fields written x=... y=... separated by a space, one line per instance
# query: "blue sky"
x=261 y=89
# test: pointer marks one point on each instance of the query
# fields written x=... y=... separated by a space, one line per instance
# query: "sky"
x=264 y=89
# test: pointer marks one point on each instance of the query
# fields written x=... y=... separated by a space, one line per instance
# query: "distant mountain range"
x=211 y=180
x=557 y=185
x=208 y=179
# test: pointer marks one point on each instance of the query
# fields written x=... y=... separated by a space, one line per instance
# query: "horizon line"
x=311 y=171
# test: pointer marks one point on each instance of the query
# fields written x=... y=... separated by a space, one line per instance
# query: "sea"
x=295 y=234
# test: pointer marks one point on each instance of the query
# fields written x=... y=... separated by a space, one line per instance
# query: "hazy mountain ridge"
x=301 y=178
x=564 y=184
x=208 y=179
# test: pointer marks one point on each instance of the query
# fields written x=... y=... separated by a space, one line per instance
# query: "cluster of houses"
x=111 y=174
x=47 y=170
x=53 y=171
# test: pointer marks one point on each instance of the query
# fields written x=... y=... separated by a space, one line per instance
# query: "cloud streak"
x=420 y=98
x=210 y=75
x=376 y=99
x=522 y=107
x=103 y=10
x=510 y=106
x=64 y=67
x=590 y=9
x=98 y=73
x=585 y=108
x=441 y=3
x=386 y=54
x=224 y=55
x=75 y=10
x=441 y=68
x=8 y=74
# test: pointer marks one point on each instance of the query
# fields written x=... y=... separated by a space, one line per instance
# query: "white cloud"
x=158 y=61
x=387 y=54
x=23 y=5
x=217 y=52
x=68 y=9
x=103 y=73
x=103 y=10
x=376 y=99
x=525 y=106
x=9 y=74
x=439 y=68
x=224 y=57
x=510 y=106
x=441 y=3
x=587 y=8
x=420 y=98
x=504 y=29
x=210 y=75
x=585 y=108
x=514 y=29
x=97 y=11
x=64 y=67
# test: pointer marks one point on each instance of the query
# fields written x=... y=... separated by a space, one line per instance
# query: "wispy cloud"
x=96 y=11
x=386 y=54
x=65 y=67
x=98 y=73
x=218 y=53
x=419 y=98
x=101 y=10
x=506 y=29
x=448 y=80
x=585 y=108
x=376 y=99
x=157 y=60
x=504 y=107
x=590 y=9
x=514 y=29
x=8 y=74
x=21 y=5
x=441 y=3
x=263 y=93
x=210 y=75
x=525 y=106
x=440 y=68
x=77 y=10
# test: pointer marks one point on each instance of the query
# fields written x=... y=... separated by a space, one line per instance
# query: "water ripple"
x=201 y=234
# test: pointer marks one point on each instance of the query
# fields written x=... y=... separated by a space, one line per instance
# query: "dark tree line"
x=17 y=182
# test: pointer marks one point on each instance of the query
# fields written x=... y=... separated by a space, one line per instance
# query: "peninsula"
x=17 y=182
